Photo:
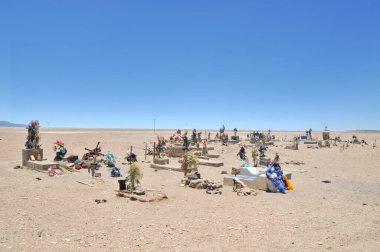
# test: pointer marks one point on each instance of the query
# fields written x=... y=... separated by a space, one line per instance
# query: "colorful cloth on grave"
x=60 y=150
x=275 y=175
x=110 y=158
x=115 y=172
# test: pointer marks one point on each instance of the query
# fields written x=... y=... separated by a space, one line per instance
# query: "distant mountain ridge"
x=9 y=124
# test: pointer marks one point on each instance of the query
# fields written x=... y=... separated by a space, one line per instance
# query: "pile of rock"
x=241 y=189
x=195 y=181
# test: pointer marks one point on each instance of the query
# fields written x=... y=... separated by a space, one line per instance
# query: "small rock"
x=320 y=243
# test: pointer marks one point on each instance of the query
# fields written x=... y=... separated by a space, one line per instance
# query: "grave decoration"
x=60 y=150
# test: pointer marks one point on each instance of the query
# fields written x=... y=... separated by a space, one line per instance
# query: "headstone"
x=26 y=153
x=326 y=135
x=236 y=138
x=39 y=163
x=265 y=161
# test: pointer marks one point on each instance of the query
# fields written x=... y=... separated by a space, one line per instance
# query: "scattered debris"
x=213 y=192
x=93 y=153
x=83 y=183
x=100 y=201
x=241 y=188
x=295 y=162
x=152 y=196
x=55 y=171
x=295 y=170
x=326 y=181
x=17 y=167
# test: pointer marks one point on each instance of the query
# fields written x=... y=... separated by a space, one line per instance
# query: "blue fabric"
x=115 y=172
x=278 y=178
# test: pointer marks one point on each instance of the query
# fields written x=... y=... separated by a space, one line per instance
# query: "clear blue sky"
x=246 y=64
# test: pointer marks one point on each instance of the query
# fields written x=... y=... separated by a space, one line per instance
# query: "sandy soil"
x=58 y=214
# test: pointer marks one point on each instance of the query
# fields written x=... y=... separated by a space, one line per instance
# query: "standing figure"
x=185 y=141
x=160 y=146
x=93 y=167
x=241 y=153
x=255 y=156
x=194 y=136
x=204 y=148
x=199 y=136
x=262 y=151
x=310 y=134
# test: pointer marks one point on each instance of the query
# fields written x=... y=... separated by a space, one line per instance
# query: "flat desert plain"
x=59 y=214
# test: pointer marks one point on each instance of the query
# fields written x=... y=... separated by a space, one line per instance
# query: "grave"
x=208 y=163
x=200 y=148
x=38 y=163
x=212 y=155
x=252 y=177
x=161 y=161
x=204 y=156
x=303 y=137
x=323 y=144
x=232 y=141
x=175 y=151
x=165 y=167
x=310 y=142
x=326 y=135
x=214 y=140
x=264 y=161
x=236 y=138
x=294 y=146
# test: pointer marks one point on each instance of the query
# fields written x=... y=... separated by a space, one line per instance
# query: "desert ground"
x=59 y=214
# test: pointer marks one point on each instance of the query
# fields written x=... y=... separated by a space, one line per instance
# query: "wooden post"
x=154 y=150
x=146 y=146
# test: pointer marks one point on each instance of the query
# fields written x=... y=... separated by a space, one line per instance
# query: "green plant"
x=190 y=162
x=134 y=173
